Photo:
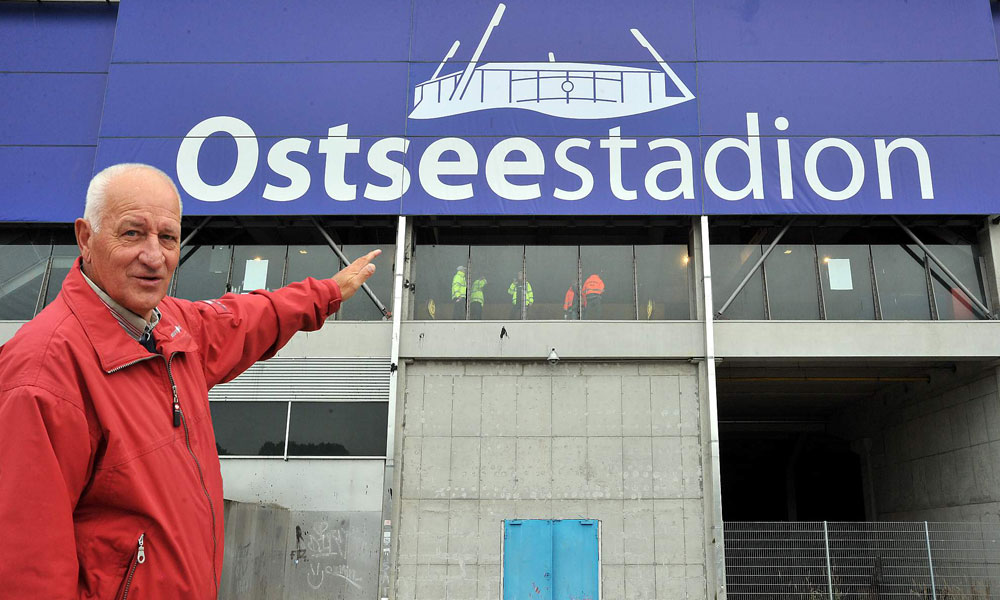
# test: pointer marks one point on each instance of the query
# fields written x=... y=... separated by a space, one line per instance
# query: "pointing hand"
x=351 y=277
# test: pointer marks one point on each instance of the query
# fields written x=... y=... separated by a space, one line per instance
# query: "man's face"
x=133 y=256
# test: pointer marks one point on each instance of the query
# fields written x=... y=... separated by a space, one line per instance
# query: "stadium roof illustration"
x=572 y=90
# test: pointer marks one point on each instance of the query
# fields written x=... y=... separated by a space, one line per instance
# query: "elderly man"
x=110 y=484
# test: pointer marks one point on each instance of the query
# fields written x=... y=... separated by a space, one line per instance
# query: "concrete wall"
x=932 y=454
x=255 y=552
x=344 y=485
x=488 y=441
x=272 y=553
x=310 y=526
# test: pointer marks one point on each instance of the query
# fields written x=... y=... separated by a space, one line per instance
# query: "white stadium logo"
x=454 y=169
x=560 y=89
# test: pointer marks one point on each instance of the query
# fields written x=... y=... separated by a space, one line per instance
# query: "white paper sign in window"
x=255 y=277
x=840 y=274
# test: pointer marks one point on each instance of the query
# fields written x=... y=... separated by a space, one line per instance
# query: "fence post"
x=930 y=561
x=829 y=570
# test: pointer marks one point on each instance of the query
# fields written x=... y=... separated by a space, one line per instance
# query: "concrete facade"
x=931 y=454
x=619 y=431
x=486 y=441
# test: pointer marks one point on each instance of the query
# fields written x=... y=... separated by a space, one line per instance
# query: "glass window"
x=310 y=261
x=63 y=257
x=662 y=279
x=963 y=261
x=730 y=264
x=361 y=307
x=249 y=428
x=498 y=289
x=338 y=429
x=608 y=282
x=902 y=282
x=845 y=273
x=22 y=269
x=205 y=272
x=553 y=271
x=258 y=268
x=436 y=274
x=790 y=270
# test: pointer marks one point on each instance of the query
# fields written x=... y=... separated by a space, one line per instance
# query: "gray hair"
x=93 y=210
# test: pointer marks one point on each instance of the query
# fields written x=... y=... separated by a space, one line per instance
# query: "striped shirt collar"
x=133 y=324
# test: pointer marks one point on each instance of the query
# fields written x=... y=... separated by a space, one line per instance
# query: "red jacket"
x=90 y=459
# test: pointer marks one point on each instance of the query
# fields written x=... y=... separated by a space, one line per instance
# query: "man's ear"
x=84 y=234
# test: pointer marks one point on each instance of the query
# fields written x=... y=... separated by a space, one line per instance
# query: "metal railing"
x=839 y=560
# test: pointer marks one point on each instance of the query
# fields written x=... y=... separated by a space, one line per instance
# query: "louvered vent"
x=310 y=379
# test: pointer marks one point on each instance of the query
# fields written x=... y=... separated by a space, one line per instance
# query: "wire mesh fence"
x=862 y=560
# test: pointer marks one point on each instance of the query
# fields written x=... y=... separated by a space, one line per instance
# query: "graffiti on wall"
x=333 y=555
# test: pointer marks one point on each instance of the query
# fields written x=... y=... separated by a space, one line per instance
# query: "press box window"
x=257 y=268
x=553 y=282
x=63 y=257
x=363 y=309
x=549 y=559
x=314 y=429
x=22 y=272
x=249 y=428
x=730 y=265
x=203 y=273
x=337 y=429
x=208 y=272
x=846 y=277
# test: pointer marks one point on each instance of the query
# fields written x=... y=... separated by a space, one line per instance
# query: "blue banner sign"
x=590 y=107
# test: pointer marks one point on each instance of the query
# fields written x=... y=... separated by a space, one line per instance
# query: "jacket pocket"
x=138 y=559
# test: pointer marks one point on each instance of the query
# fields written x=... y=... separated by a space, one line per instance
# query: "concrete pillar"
x=863 y=448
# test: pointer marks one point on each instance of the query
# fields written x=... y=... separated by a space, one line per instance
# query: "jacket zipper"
x=134 y=362
x=180 y=419
x=140 y=557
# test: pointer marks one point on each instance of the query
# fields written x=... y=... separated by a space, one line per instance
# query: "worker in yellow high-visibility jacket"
x=477 y=297
x=521 y=295
x=458 y=290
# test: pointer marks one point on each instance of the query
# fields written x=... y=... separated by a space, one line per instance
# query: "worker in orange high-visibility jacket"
x=593 y=292
x=571 y=305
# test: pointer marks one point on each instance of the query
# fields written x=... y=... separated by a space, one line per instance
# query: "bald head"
x=129 y=237
x=98 y=190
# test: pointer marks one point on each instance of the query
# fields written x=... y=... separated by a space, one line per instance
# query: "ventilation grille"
x=310 y=380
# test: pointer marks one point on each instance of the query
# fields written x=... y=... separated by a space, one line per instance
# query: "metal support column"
x=756 y=266
x=385 y=557
x=343 y=257
x=989 y=248
x=972 y=298
x=718 y=533
x=194 y=231
x=187 y=239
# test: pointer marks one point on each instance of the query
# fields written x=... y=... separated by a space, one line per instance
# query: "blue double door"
x=548 y=559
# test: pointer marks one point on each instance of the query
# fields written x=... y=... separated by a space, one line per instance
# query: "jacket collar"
x=114 y=347
x=133 y=324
